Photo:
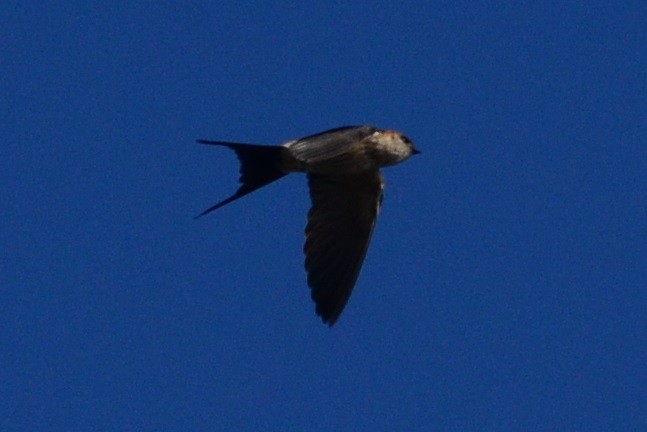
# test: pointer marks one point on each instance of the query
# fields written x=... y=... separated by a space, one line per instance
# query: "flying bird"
x=346 y=189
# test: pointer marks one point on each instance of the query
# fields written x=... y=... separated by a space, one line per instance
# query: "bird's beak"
x=415 y=151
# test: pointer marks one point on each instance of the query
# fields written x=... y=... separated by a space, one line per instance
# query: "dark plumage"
x=346 y=189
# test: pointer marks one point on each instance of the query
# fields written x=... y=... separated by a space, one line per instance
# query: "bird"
x=346 y=189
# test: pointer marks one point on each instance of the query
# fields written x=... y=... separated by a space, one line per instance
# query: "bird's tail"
x=259 y=165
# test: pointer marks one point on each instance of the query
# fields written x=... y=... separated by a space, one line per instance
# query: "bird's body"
x=346 y=189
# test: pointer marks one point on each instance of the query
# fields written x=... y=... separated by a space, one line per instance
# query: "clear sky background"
x=505 y=287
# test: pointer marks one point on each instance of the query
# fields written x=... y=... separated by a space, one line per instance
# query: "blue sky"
x=504 y=288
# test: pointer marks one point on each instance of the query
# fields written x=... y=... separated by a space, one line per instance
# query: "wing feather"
x=329 y=144
x=340 y=225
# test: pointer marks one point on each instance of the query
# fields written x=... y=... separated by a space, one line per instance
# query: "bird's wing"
x=327 y=145
x=340 y=224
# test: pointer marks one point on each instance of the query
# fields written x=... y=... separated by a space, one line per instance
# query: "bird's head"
x=393 y=146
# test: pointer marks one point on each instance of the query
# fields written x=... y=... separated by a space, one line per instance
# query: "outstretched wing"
x=340 y=224
x=329 y=144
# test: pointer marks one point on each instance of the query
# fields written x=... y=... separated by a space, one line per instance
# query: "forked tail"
x=259 y=165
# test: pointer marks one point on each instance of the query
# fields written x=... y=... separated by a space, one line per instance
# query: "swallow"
x=346 y=189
